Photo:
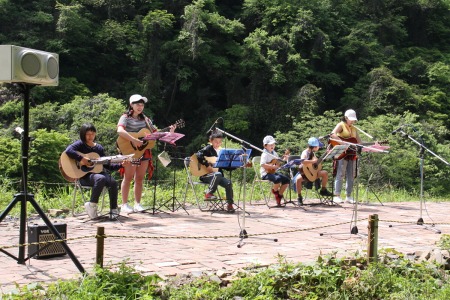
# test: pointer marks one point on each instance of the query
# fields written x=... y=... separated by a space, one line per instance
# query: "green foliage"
x=280 y=59
x=444 y=242
x=327 y=278
x=46 y=148
x=10 y=165
x=101 y=110
x=121 y=283
x=10 y=111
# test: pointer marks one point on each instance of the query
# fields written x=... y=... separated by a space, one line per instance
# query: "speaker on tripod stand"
x=28 y=68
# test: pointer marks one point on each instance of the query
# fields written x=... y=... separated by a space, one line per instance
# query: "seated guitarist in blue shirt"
x=97 y=181
x=213 y=177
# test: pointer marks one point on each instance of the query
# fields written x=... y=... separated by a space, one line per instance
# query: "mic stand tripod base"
x=111 y=216
x=420 y=223
x=242 y=235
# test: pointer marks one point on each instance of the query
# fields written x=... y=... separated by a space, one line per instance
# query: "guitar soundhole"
x=86 y=168
x=143 y=146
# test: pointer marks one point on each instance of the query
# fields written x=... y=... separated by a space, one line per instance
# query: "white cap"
x=351 y=115
x=136 y=98
x=268 y=140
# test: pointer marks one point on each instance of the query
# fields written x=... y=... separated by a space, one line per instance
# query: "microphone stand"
x=243 y=234
x=421 y=157
x=354 y=229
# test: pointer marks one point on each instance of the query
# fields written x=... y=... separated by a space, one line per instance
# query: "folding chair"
x=307 y=185
x=257 y=181
x=82 y=188
x=203 y=204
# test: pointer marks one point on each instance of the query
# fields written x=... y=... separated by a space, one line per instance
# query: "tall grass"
x=59 y=195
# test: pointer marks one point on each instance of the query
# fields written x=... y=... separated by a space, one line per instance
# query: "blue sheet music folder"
x=231 y=158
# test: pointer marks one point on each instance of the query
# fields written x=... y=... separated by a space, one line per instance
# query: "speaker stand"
x=24 y=197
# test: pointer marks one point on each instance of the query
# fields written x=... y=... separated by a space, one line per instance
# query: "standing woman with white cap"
x=346 y=167
x=133 y=120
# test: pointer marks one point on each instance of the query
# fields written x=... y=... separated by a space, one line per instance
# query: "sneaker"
x=209 y=196
x=230 y=207
x=138 y=207
x=278 y=197
x=337 y=199
x=300 y=200
x=91 y=209
x=349 y=200
x=325 y=192
x=126 y=209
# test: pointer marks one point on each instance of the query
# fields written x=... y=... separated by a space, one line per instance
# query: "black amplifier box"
x=41 y=234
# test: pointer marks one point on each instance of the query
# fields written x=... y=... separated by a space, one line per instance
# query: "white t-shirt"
x=266 y=157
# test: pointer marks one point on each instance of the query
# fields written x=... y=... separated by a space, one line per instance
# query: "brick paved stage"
x=159 y=243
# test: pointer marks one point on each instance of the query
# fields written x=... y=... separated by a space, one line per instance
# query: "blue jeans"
x=345 y=168
x=215 y=179
x=98 y=182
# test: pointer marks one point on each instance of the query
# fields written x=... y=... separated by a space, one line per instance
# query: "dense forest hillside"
x=262 y=66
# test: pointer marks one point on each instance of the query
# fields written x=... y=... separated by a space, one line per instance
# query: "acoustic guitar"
x=278 y=162
x=126 y=147
x=73 y=169
x=197 y=169
x=311 y=171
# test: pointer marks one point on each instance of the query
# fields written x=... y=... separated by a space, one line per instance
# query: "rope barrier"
x=205 y=236
x=171 y=237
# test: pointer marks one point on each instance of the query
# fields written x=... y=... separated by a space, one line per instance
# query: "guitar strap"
x=148 y=153
x=149 y=124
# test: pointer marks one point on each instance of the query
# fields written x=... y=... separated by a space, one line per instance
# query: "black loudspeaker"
x=41 y=233
x=19 y=64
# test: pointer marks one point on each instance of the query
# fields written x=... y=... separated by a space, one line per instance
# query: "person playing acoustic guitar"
x=133 y=121
x=269 y=165
x=346 y=166
x=86 y=144
x=312 y=165
x=215 y=177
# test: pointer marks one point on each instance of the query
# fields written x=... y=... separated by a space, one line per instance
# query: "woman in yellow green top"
x=346 y=167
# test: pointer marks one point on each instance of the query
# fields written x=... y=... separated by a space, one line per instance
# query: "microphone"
x=19 y=130
x=325 y=137
x=213 y=126
x=397 y=130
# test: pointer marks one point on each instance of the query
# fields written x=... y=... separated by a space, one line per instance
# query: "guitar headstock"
x=180 y=123
x=383 y=142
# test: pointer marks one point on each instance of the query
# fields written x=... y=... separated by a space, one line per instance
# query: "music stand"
x=335 y=152
x=230 y=159
x=165 y=160
x=369 y=150
x=293 y=161
x=166 y=137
